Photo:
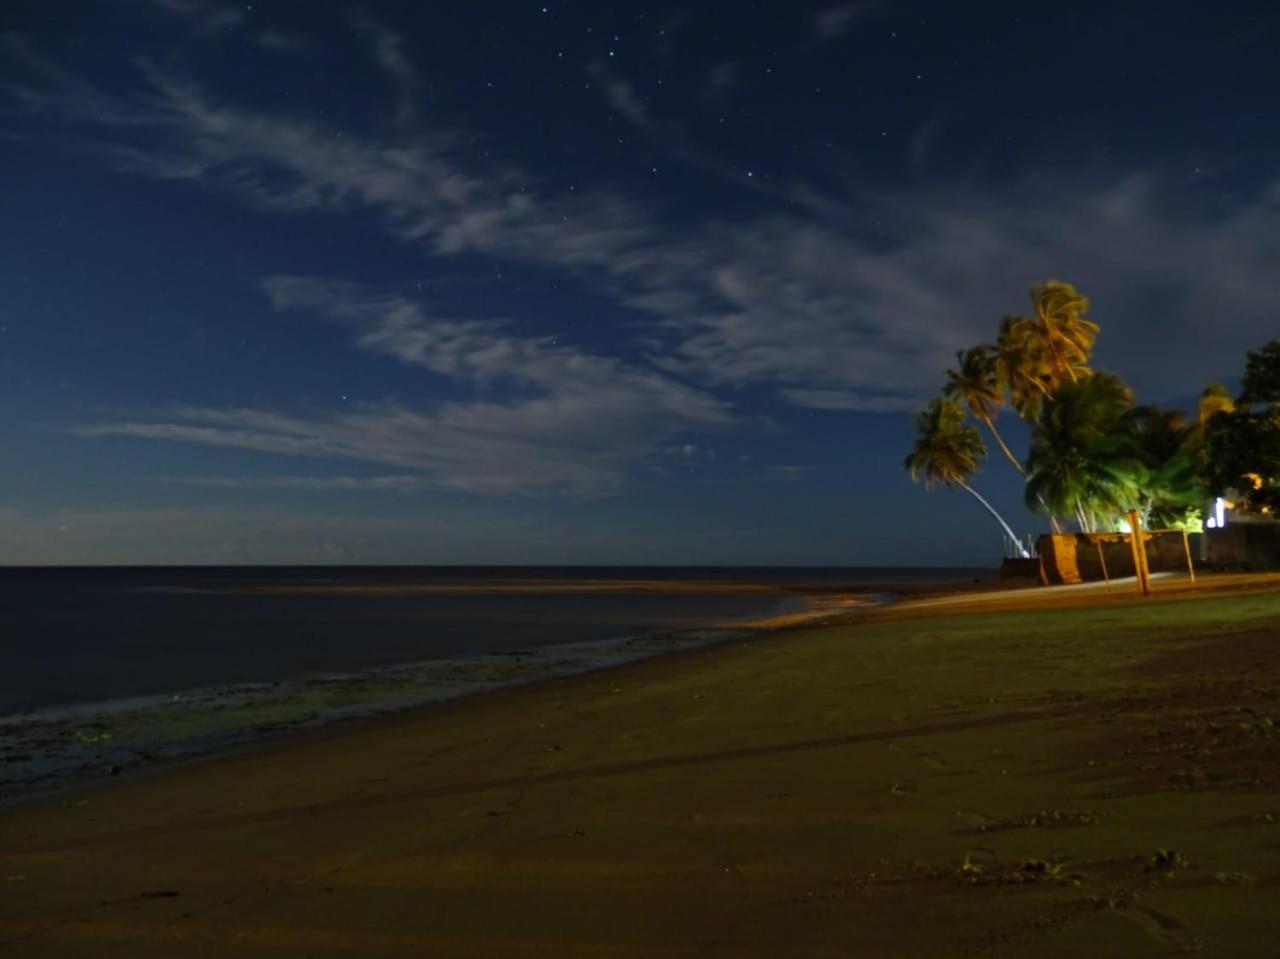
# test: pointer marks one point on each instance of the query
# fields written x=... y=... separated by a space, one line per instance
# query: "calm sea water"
x=83 y=635
x=106 y=671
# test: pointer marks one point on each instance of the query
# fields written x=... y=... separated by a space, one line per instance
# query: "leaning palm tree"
x=1037 y=353
x=1022 y=367
x=948 y=451
x=1060 y=323
x=975 y=382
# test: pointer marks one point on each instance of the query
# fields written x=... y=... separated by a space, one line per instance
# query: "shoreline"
x=64 y=748
x=1060 y=774
x=1014 y=773
x=273 y=714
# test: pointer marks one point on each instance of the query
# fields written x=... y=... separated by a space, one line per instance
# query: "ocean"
x=104 y=669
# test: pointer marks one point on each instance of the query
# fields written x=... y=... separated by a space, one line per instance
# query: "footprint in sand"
x=1161 y=927
x=975 y=820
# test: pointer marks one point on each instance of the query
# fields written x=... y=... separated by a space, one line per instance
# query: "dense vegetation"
x=1094 y=453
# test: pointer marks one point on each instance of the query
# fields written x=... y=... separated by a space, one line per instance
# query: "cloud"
x=720 y=82
x=388 y=49
x=849 y=400
x=669 y=30
x=577 y=424
x=853 y=301
x=488 y=449
x=621 y=96
x=311 y=484
x=205 y=16
x=834 y=22
x=284 y=42
x=488 y=351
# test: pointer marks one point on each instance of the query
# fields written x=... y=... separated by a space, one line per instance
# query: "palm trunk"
x=1053 y=520
x=999 y=519
x=1000 y=439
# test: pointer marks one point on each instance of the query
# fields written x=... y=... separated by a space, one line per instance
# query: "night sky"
x=579 y=282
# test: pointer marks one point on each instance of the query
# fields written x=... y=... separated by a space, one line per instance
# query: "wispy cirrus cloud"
x=721 y=81
x=487 y=449
x=621 y=95
x=833 y=22
x=580 y=423
x=407 y=483
x=207 y=16
x=845 y=302
x=388 y=48
x=284 y=42
x=487 y=351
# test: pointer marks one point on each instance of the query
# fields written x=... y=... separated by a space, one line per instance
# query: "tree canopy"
x=1094 y=454
x=1242 y=440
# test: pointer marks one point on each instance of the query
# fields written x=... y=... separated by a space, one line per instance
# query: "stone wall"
x=1243 y=546
x=1083 y=557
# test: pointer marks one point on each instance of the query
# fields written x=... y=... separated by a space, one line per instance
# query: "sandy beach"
x=1055 y=773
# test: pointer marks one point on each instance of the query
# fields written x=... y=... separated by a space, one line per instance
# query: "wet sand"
x=1048 y=773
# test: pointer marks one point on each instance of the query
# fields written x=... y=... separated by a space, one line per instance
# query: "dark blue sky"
x=588 y=282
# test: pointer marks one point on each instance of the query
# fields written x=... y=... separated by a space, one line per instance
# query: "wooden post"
x=1097 y=544
x=1139 y=553
x=1186 y=548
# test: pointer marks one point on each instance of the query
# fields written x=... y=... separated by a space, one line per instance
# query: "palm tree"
x=947 y=451
x=976 y=383
x=1061 y=326
x=1215 y=399
x=1170 y=450
x=1035 y=354
x=1081 y=460
x=1021 y=367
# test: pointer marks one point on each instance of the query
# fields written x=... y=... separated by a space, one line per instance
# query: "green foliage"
x=1082 y=460
x=975 y=382
x=1035 y=354
x=1017 y=369
x=1094 y=455
x=1168 y=448
x=1244 y=458
x=1262 y=377
x=1242 y=444
x=946 y=450
x=1190 y=519
x=1060 y=325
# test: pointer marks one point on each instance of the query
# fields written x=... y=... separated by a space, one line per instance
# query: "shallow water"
x=75 y=636
x=62 y=745
x=107 y=670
